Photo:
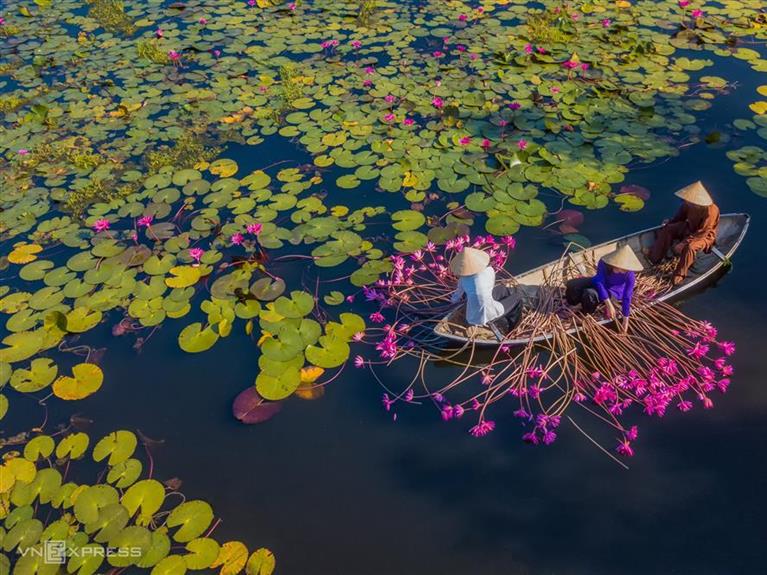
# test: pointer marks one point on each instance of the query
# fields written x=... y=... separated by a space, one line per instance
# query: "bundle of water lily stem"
x=665 y=359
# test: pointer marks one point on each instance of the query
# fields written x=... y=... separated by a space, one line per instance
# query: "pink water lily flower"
x=606 y=23
x=202 y=21
x=158 y=33
x=437 y=102
x=698 y=13
x=237 y=238
x=23 y=152
x=145 y=221
x=408 y=121
x=251 y=3
x=390 y=98
x=624 y=448
x=389 y=117
x=196 y=254
x=683 y=3
x=485 y=143
x=515 y=106
x=528 y=48
x=522 y=144
x=359 y=361
x=462 y=18
x=292 y=6
x=174 y=56
x=465 y=141
x=438 y=54
x=369 y=70
x=461 y=48
x=101 y=225
x=482 y=429
x=356 y=44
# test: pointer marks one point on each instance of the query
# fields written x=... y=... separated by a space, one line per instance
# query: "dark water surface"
x=334 y=486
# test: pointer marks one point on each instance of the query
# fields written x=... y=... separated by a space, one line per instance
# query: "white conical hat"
x=695 y=194
x=624 y=258
x=469 y=262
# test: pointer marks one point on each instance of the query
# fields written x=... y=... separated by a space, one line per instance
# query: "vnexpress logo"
x=55 y=552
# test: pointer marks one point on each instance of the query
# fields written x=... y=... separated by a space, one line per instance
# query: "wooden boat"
x=732 y=230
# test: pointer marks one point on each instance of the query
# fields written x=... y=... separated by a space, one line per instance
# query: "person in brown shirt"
x=691 y=230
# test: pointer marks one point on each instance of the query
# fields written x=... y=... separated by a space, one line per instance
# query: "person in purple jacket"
x=615 y=278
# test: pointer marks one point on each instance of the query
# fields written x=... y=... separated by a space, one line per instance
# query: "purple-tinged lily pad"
x=249 y=407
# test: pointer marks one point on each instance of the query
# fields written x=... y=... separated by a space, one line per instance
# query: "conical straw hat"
x=695 y=194
x=469 y=262
x=624 y=258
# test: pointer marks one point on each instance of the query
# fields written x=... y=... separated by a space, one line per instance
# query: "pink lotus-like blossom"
x=292 y=6
x=531 y=438
x=482 y=428
x=683 y=3
x=465 y=141
x=698 y=351
x=23 y=152
x=485 y=144
x=555 y=89
x=369 y=70
x=515 y=106
x=377 y=317
x=390 y=98
x=462 y=17
x=522 y=144
x=389 y=117
x=727 y=347
x=408 y=121
x=528 y=48
x=145 y=221
x=158 y=33
x=202 y=21
x=438 y=54
x=254 y=228
x=237 y=238
x=356 y=44
x=174 y=56
x=101 y=225
x=196 y=254
x=251 y=3
x=535 y=372
x=606 y=23
x=359 y=361
x=624 y=448
x=437 y=102
x=698 y=13
x=684 y=405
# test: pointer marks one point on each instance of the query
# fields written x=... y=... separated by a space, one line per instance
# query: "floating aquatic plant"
x=124 y=518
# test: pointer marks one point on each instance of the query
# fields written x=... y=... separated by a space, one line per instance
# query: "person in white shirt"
x=485 y=301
